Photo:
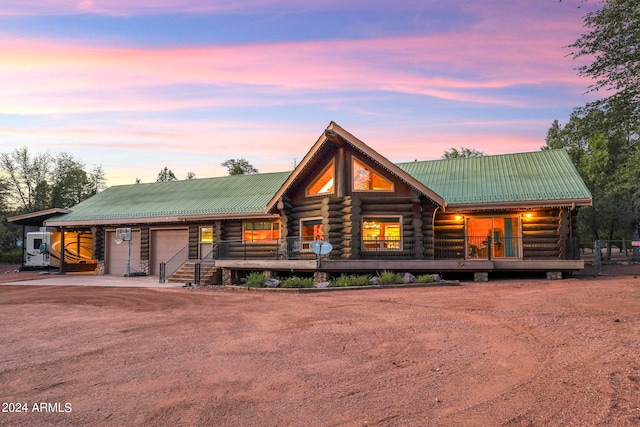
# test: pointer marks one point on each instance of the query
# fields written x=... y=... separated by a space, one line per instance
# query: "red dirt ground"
x=518 y=352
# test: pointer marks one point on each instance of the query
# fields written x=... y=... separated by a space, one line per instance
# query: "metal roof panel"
x=535 y=176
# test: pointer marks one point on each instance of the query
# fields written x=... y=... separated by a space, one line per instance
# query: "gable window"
x=310 y=230
x=382 y=233
x=365 y=179
x=324 y=183
x=261 y=231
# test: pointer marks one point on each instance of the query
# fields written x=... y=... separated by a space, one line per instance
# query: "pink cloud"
x=146 y=7
x=127 y=7
x=42 y=76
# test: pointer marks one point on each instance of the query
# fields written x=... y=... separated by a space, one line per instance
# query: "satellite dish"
x=319 y=247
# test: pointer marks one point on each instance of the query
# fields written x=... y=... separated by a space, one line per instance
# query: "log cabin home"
x=478 y=215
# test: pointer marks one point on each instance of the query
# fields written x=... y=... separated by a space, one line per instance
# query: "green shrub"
x=297 y=282
x=340 y=282
x=424 y=278
x=12 y=256
x=361 y=280
x=390 y=278
x=350 y=280
x=256 y=279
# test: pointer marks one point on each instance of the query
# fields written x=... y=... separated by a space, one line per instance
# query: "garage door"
x=164 y=244
x=116 y=255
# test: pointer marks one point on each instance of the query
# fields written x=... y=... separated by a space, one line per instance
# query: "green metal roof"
x=240 y=194
x=523 y=178
x=546 y=175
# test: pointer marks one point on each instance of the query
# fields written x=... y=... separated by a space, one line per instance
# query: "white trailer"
x=43 y=249
x=37 y=249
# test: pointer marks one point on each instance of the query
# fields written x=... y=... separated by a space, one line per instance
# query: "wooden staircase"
x=186 y=273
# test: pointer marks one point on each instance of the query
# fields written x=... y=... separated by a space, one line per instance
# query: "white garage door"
x=116 y=255
x=164 y=244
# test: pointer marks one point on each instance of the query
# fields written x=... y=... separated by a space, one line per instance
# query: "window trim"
x=373 y=171
x=330 y=165
x=400 y=248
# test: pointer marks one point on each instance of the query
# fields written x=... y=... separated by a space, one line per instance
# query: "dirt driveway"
x=514 y=353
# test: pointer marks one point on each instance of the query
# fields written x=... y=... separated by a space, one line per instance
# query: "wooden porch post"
x=62 y=269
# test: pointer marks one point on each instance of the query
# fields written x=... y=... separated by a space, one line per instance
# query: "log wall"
x=144 y=243
x=98 y=242
x=449 y=236
x=543 y=234
x=428 y=211
x=547 y=233
x=194 y=240
x=342 y=221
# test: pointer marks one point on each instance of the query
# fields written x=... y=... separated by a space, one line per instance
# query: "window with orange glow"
x=261 y=231
x=365 y=179
x=310 y=230
x=206 y=234
x=497 y=237
x=381 y=233
x=324 y=183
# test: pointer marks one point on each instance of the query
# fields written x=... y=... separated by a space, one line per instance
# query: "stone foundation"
x=227 y=277
x=144 y=266
x=554 y=275
x=320 y=276
x=100 y=268
x=481 y=276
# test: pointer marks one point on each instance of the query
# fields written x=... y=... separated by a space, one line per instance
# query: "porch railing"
x=345 y=247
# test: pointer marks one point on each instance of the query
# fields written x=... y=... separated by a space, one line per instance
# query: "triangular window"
x=365 y=179
x=324 y=183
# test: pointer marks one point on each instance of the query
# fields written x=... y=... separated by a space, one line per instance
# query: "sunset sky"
x=138 y=85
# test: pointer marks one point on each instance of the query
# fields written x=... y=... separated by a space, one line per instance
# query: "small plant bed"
x=384 y=279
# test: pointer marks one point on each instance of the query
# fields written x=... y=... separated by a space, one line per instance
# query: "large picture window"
x=382 y=233
x=365 y=179
x=261 y=231
x=324 y=183
x=497 y=237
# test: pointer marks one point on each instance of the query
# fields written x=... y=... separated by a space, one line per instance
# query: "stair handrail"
x=173 y=264
x=198 y=274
